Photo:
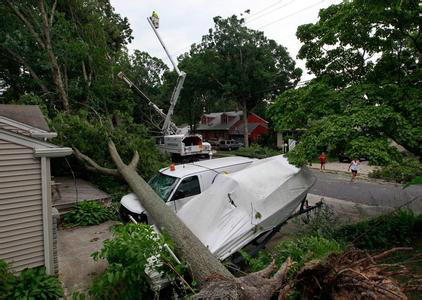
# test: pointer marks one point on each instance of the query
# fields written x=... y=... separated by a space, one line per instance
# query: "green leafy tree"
x=366 y=56
x=240 y=64
x=63 y=51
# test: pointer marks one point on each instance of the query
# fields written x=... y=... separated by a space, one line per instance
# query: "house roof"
x=216 y=123
x=215 y=126
x=228 y=113
x=26 y=114
x=251 y=127
x=41 y=148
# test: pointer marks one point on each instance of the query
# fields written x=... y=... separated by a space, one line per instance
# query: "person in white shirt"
x=354 y=165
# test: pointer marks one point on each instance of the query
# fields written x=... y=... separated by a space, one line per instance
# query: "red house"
x=229 y=125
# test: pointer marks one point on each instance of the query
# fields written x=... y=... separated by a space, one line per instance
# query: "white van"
x=176 y=186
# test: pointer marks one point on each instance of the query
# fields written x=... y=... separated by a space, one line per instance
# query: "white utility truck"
x=181 y=147
x=176 y=185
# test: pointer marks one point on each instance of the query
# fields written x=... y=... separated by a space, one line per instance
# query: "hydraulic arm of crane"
x=171 y=128
x=167 y=126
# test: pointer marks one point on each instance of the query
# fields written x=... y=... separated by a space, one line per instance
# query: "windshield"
x=163 y=185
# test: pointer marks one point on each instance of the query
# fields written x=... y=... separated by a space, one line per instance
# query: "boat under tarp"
x=241 y=206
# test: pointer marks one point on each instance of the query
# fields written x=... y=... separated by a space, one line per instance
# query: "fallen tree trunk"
x=203 y=264
x=214 y=279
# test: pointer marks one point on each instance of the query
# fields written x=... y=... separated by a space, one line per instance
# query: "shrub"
x=400 y=172
x=305 y=249
x=319 y=222
x=257 y=151
x=301 y=250
x=6 y=281
x=128 y=254
x=88 y=213
x=398 y=229
x=31 y=284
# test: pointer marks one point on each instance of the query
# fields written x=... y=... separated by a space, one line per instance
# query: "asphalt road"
x=365 y=192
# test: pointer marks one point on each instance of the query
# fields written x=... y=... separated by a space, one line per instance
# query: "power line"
x=262 y=10
x=248 y=20
x=291 y=15
x=270 y=12
x=268 y=24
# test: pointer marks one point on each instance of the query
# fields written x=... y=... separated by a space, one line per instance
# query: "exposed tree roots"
x=356 y=275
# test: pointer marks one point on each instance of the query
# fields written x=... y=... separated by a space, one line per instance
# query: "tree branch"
x=388 y=252
x=27 y=23
x=91 y=165
x=266 y=271
x=277 y=280
x=53 y=10
x=21 y=61
x=135 y=160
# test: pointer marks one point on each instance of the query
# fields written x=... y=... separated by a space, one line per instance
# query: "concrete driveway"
x=74 y=247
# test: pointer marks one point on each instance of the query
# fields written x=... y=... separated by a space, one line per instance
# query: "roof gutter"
x=47 y=135
x=53 y=152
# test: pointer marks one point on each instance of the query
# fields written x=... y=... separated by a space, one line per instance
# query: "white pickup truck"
x=177 y=185
x=184 y=147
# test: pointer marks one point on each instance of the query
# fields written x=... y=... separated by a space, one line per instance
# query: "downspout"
x=47 y=215
x=44 y=154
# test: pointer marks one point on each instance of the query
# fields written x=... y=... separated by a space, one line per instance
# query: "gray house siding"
x=21 y=220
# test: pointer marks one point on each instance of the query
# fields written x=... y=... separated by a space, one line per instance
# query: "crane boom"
x=180 y=145
x=179 y=85
x=171 y=127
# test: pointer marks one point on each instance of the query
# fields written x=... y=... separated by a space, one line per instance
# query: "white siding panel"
x=19 y=210
x=26 y=172
x=19 y=195
x=21 y=239
x=17 y=162
x=17 y=216
x=21 y=250
x=24 y=257
x=15 y=189
x=6 y=145
x=18 y=181
x=24 y=202
x=21 y=230
x=14 y=156
x=29 y=264
x=16 y=222
x=26 y=225
x=15 y=151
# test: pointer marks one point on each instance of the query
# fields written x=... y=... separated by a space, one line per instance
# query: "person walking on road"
x=323 y=160
x=354 y=165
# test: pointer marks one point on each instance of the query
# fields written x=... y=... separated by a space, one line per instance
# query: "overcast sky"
x=184 y=22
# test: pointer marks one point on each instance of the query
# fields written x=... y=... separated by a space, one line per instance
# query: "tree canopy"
x=367 y=90
x=65 y=56
x=240 y=64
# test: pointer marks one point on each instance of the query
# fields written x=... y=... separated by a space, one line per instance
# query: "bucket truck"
x=181 y=146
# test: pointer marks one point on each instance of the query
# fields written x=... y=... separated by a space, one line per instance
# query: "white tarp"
x=240 y=206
